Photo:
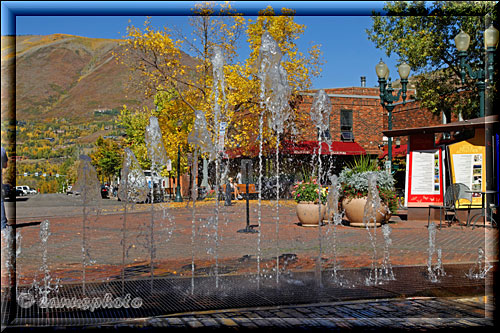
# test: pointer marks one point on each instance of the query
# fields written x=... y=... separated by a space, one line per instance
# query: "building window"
x=346 y=125
x=325 y=135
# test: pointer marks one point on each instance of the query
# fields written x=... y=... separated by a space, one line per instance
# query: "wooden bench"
x=243 y=189
x=251 y=188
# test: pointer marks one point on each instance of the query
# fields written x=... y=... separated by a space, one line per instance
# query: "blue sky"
x=339 y=26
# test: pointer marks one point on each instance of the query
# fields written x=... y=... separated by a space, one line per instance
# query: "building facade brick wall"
x=368 y=116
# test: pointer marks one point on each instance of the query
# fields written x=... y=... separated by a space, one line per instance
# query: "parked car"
x=104 y=192
x=20 y=191
x=28 y=190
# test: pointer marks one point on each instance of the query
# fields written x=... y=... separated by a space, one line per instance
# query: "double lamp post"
x=462 y=41
x=387 y=98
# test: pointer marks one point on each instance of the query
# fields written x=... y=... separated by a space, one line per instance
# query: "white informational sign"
x=425 y=173
x=462 y=165
x=222 y=134
x=468 y=170
x=169 y=165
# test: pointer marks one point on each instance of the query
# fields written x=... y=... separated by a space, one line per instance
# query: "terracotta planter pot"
x=354 y=210
x=307 y=212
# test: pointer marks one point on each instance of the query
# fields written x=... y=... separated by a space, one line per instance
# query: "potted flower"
x=311 y=198
x=354 y=191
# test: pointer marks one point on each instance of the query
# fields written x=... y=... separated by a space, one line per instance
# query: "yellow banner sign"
x=467 y=160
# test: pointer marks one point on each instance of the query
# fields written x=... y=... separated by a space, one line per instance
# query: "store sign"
x=425 y=178
x=467 y=165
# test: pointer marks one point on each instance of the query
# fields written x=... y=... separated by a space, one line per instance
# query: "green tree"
x=422 y=34
x=107 y=159
x=134 y=123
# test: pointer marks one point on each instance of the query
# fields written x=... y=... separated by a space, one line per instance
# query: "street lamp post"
x=462 y=41
x=386 y=93
x=178 y=196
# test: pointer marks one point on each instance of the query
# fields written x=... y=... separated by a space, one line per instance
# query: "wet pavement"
x=218 y=249
x=414 y=314
x=386 y=314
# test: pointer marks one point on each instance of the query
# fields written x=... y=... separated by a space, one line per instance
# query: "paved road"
x=57 y=204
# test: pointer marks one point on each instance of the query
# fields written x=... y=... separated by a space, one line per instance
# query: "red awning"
x=304 y=148
x=396 y=151
x=311 y=147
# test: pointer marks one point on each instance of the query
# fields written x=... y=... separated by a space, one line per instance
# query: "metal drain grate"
x=164 y=296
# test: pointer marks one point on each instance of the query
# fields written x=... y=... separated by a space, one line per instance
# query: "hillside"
x=64 y=76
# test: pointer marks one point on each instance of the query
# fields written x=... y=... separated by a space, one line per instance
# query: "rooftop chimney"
x=363 y=81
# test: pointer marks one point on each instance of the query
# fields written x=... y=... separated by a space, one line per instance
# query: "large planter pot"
x=354 y=210
x=308 y=213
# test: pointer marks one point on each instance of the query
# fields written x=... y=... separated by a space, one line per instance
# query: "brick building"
x=356 y=124
x=358 y=116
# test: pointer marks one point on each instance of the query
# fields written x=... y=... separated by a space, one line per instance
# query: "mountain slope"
x=67 y=76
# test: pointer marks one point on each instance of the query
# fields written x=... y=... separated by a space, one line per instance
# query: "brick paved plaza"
x=237 y=255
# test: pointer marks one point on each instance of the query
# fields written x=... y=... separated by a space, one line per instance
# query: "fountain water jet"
x=218 y=86
x=373 y=206
x=133 y=189
x=481 y=268
x=434 y=271
x=386 y=272
x=88 y=185
x=274 y=93
x=200 y=138
x=320 y=115
x=11 y=249
x=334 y=216
x=42 y=291
x=158 y=157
